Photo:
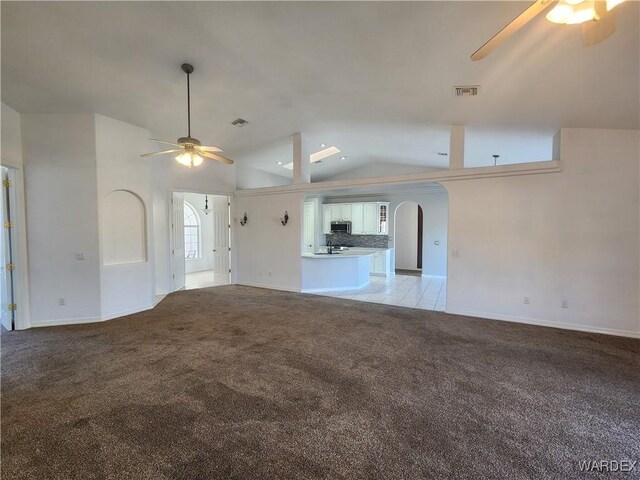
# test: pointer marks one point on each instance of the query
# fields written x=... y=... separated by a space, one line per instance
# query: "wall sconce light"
x=243 y=220
x=284 y=220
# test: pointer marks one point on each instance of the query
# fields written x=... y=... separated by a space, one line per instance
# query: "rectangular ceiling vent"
x=239 y=122
x=467 y=90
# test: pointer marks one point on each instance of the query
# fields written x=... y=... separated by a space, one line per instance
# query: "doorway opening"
x=408 y=239
x=201 y=240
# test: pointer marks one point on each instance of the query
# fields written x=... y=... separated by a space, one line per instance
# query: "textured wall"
x=371 y=241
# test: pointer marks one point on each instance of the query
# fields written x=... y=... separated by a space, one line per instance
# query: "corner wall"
x=571 y=236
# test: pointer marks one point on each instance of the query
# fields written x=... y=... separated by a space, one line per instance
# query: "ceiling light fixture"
x=571 y=12
x=322 y=145
x=279 y=163
x=343 y=157
x=191 y=150
x=206 y=208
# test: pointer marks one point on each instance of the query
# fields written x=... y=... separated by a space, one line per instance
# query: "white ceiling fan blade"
x=218 y=158
x=596 y=31
x=167 y=143
x=161 y=153
x=207 y=148
x=515 y=25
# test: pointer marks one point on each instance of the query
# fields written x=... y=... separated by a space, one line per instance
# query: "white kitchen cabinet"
x=381 y=263
x=327 y=212
x=370 y=219
x=345 y=212
x=357 y=218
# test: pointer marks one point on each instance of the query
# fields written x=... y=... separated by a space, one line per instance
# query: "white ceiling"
x=374 y=79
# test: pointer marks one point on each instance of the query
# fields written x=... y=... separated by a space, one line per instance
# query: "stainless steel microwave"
x=341 y=227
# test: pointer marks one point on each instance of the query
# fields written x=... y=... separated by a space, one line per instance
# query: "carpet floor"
x=242 y=383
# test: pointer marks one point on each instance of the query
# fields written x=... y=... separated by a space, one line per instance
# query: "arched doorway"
x=408 y=238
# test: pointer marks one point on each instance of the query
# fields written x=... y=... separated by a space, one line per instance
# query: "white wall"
x=249 y=177
x=205 y=262
x=59 y=157
x=406 y=236
x=11 y=145
x=168 y=175
x=268 y=254
x=128 y=285
x=571 y=236
x=375 y=170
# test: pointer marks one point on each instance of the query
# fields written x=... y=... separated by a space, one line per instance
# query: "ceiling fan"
x=596 y=16
x=191 y=150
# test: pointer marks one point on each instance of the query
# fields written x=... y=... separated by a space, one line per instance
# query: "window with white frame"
x=191 y=232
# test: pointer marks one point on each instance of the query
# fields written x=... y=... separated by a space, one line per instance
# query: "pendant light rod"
x=188 y=69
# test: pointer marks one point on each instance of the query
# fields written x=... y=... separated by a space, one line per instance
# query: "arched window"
x=191 y=232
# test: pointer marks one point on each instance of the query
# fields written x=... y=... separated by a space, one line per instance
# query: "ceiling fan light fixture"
x=189 y=159
x=560 y=13
x=572 y=12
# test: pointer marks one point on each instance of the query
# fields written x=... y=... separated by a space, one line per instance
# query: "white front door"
x=309 y=228
x=220 y=207
x=6 y=267
x=177 y=241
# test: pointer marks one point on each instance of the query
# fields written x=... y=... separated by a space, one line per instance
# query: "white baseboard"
x=442 y=277
x=546 y=323
x=79 y=321
x=341 y=289
x=270 y=287
x=127 y=312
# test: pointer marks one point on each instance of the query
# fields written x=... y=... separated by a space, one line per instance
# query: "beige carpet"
x=243 y=383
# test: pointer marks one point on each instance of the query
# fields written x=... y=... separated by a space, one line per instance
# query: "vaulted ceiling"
x=376 y=79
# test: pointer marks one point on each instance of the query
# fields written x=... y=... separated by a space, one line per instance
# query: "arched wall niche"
x=124 y=228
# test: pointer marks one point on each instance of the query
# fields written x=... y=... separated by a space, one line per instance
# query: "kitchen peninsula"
x=346 y=269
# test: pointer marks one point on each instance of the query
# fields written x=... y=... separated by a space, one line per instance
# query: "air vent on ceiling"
x=239 y=122
x=467 y=90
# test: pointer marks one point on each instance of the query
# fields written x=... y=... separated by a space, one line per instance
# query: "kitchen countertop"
x=350 y=253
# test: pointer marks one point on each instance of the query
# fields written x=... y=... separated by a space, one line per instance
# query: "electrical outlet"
x=564 y=304
x=62 y=301
x=79 y=256
x=526 y=300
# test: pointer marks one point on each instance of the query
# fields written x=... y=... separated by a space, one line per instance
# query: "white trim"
x=439 y=277
x=20 y=254
x=270 y=287
x=546 y=323
x=83 y=320
x=124 y=313
x=533 y=168
x=340 y=289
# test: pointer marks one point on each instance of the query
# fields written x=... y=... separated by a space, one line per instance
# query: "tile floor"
x=205 y=278
x=427 y=293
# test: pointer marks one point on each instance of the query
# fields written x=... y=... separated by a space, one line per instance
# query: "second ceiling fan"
x=596 y=16
x=191 y=151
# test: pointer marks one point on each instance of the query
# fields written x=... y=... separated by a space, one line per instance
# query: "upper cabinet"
x=368 y=218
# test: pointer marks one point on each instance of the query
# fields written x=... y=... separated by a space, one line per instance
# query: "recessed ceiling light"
x=343 y=157
x=322 y=145
x=279 y=163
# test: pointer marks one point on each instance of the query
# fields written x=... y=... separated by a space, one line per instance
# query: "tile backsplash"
x=369 y=241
